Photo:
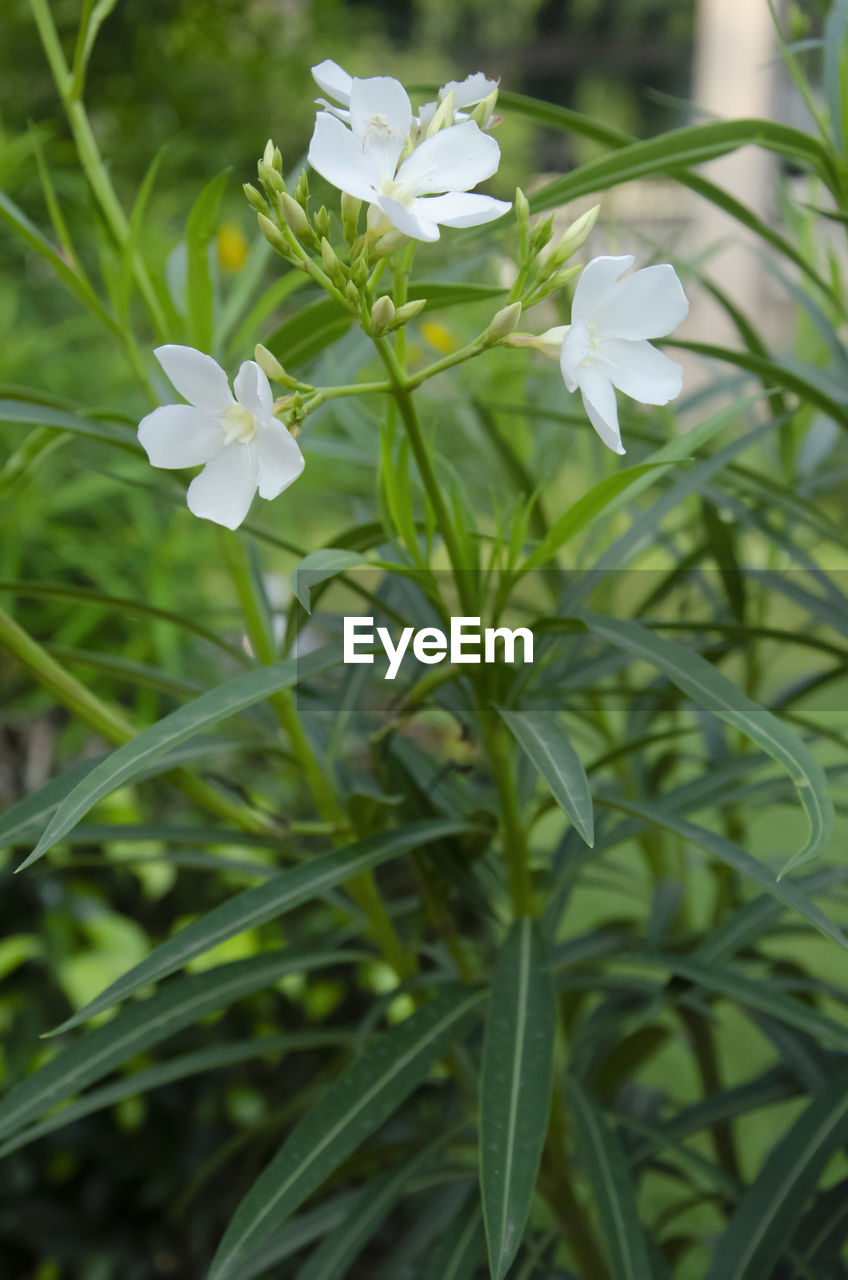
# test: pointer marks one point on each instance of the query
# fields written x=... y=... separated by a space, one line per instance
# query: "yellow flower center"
x=239 y=424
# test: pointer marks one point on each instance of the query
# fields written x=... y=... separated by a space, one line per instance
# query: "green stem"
x=91 y=160
x=514 y=829
x=363 y=887
x=401 y=393
x=113 y=726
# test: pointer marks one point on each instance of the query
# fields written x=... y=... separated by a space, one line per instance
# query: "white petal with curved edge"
x=225 y=487
x=648 y=304
x=599 y=402
x=596 y=281
x=253 y=390
x=576 y=346
x=336 y=154
x=470 y=91
x=179 y=435
x=461 y=209
x=406 y=220
x=334 y=80
x=639 y=370
x=380 y=101
x=280 y=459
x=197 y=377
x=455 y=159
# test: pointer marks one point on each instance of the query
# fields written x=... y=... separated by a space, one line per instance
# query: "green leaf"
x=681 y=148
x=268 y=901
x=317 y=567
x=332 y=1259
x=546 y=742
x=613 y=1191
x=354 y=1106
x=308 y=332
x=456 y=1255
x=784 y=891
x=200 y=227
x=44 y=416
x=763 y=1224
x=188 y=1064
x=181 y=1004
x=701 y=681
x=129 y=760
x=515 y=1089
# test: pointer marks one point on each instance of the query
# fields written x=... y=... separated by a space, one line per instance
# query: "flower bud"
x=270 y=179
x=485 y=110
x=443 y=116
x=332 y=266
x=541 y=234
x=301 y=191
x=382 y=314
x=350 y=216
x=352 y=293
x=273 y=235
x=557 y=280
x=294 y=215
x=390 y=243
x=271 y=367
x=255 y=198
x=502 y=325
x=572 y=239
x=321 y=221
x=408 y=312
x=359 y=272
x=522 y=215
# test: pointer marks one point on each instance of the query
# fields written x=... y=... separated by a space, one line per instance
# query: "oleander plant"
x=423 y=733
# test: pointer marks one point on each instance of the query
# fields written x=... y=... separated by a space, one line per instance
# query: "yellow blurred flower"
x=439 y=336
x=232 y=246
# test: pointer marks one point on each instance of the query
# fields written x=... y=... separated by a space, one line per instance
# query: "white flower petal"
x=599 y=402
x=596 y=281
x=380 y=102
x=253 y=391
x=576 y=346
x=648 y=304
x=455 y=159
x=197 y=377
x=179 y=435
x=470 y=91
x=406 y=220
x=341 y=113
x=337 y=155
x=639 y=370
x=461 y=209
x=550 y=344
x=225 y=487
x=280 y=459
x=334 y=80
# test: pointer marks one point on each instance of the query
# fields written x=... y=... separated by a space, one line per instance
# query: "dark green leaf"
x=546 y=742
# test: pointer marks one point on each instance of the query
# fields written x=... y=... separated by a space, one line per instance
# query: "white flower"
x=606 y=345
x=427 y=189
x=337 y=84
x=242 y=444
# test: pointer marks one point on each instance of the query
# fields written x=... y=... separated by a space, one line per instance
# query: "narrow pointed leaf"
x=706 y=685
x=179 y=1005
x=546 y=742
x=763 y=1224
x=459 y=1248
x=613 y=1191
x=268 y=901
x=515 y=1089
x=200 y=227
x=123 y=765
x=358 y=1102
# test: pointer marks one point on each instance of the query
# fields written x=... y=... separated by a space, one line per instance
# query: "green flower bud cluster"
x=541 y=274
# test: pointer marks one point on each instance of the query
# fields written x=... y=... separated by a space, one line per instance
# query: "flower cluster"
x=415 y=174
